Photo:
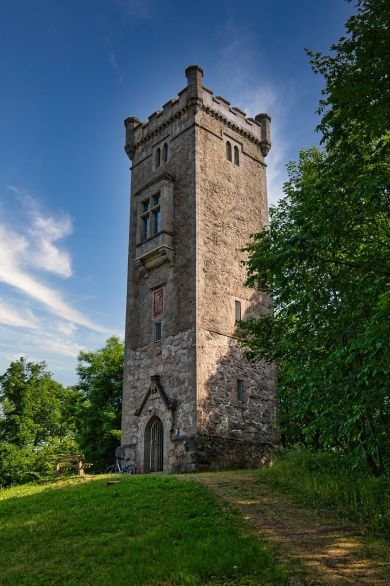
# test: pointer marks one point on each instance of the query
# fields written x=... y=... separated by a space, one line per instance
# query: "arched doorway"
x=154 y=445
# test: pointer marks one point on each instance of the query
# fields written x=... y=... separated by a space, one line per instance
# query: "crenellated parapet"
x=196 y=95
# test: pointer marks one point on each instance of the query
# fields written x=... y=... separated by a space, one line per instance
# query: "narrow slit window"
x=165 y=153
x=156 y=222
x=236 y=156
x=237 y=310
x=157 y=331
x=240 y=390
x=156 y=215
x=158 y=157
x=228 y=151
x=145 y=227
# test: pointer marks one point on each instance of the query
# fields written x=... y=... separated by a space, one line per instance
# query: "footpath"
x=320 y=549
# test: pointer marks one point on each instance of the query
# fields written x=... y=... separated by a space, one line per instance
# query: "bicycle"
x=125 y=460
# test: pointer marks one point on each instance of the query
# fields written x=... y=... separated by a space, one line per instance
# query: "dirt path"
x=327 y=551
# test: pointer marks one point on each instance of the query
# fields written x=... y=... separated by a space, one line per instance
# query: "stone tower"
x=198 y=191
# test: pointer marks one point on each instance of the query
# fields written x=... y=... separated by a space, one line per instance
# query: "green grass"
x=145 y=530
x=328 y=481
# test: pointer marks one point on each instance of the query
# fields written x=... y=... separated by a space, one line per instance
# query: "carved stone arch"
x=150 y=409
x=154 y=445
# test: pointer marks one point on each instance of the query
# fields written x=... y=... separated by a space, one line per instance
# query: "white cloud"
x=12 y=317
x=62 y=346
x=66 y=327
x=268 y=99
x=44 y=232
x=12 y=253
x=48 y=342
x=36 y=320
x=45 y=254
x=112 y=58
x=36 y=248
x=38 y=343
x=249 y=88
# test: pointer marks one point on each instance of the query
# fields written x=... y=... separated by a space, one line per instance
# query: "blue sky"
x=71 y=71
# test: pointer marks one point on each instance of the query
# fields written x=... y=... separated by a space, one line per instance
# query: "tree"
x=325 y=258
x=33 y=405
x=35 y=421
x=100 y=387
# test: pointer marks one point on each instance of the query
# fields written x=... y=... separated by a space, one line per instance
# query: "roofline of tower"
x=192 y=95
x=246 y=133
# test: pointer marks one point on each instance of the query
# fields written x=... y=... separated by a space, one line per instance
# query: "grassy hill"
x=145 y=530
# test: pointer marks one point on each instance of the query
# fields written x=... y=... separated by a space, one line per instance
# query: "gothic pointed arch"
x=154 y=445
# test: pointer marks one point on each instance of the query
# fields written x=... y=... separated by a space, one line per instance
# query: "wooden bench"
x=76 y=463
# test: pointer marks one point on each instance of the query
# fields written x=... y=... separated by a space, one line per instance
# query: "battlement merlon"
x=195 y=94
x=265 y=122
x=194 y=75
x=131 y=124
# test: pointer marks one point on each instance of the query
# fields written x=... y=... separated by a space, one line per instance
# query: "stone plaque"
x=158 y=302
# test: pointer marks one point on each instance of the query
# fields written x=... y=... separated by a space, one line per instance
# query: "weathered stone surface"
x=209 y=208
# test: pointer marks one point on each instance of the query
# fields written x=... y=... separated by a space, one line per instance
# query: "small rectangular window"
x=156 y=199
x=157 y=331
x=156 y=222
x=240 y=391
x=145 y=205
x=238 y=310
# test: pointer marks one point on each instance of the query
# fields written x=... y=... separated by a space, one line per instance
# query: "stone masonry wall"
x=174 y=358
x=232 y=206
x=216 y=206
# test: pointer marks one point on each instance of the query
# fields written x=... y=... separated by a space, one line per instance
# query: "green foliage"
x=35 y=422
x=325 y=258
x=100 y=399
x=146 y=530
x=16 y=464
x=326 y=480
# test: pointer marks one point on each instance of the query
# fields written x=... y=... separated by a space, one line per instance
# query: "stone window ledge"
x=155 y=251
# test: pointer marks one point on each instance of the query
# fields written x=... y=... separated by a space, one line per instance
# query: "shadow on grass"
x=143 y=530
